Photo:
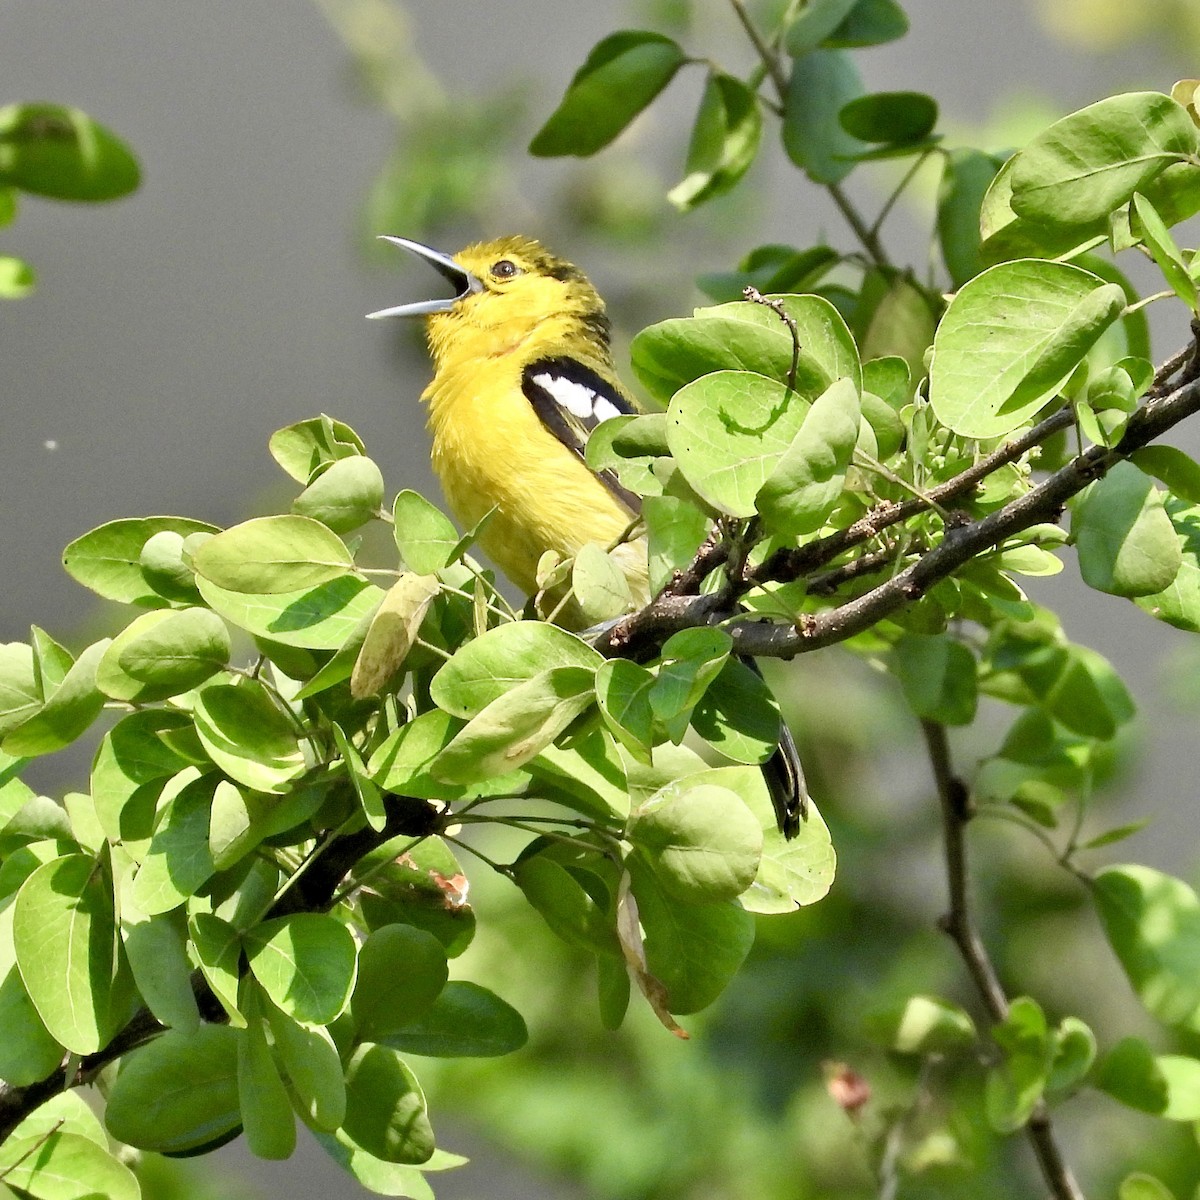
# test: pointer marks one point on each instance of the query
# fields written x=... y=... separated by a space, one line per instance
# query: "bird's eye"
x=505 y=269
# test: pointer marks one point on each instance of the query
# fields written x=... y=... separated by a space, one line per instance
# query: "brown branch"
x=959 y=923
x=1044 y=503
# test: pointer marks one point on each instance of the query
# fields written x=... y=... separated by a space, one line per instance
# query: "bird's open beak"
x=464 y=283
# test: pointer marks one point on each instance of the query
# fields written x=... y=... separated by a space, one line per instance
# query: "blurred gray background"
x=172 y=332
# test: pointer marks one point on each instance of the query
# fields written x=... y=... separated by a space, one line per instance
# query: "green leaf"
x=1117 y=834
x=465 y=1021
x=870 y=23
x=67 y=1112
x=320 y=618
x=691 y=660
x=1041 y=318
x=629 y=446
x=377 y=1176
x=896 y=318
x=966 y=176
x=675 y=528
x=890 y=117
x=248 y=737
x=156 y=947
x=600 y=587
x=725 y=139
x=385 y=1107
x=65 y=937
x=267 y=1118
x=1179 y=603
x=347 y=494
x=179 y=859
x=1182 y=1075
x=269 y=555
x=401 y=972
x=108 y=559
x=1140 y=1186
x=693 y=950
x=391 y=633
x=1156 y=237
x=924 y=1025
x=702 y=843
x=57 y=1165
x=218 y=947
x=737 y=715
x=516 y=726
x=623 y=696
x=1178 y=472
x=937 y=673
x=17 y=278
x=791 y=872
x=312 y=1066
x=177 y=1093
x=622 y=75
x=572 y=910
x=772 y=268
x=808 y=480
x=61 y=152
x=20 y=688
x=303 y=448
x=1016 y=1084
x=822 y=83
x=588 y=775
x=73 y=706
x=728 y=431
x=306 y=963
x=131 y=755
x=164 y=653
x=1125 y=540
x=486 y=668
x=425 y=536
x=27 y=1051
x=1152 y=922
x=815 y=21
x=1090 y=163
x=1074 y=1054
x=676 y=352
x=1130 y=1073
x=419 y=882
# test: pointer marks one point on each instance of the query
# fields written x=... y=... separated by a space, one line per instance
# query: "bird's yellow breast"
x=490 y=451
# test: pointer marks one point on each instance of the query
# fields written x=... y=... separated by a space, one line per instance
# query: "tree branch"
x=958 y=922
x=640 y=633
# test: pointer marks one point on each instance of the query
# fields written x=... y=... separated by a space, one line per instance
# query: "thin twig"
x=861 y=229
x=769 y=58
x=754 y=296
x=959 y=923
x=898 y=190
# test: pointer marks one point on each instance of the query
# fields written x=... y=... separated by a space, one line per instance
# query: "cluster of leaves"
x=49 y=150
x=263 y=864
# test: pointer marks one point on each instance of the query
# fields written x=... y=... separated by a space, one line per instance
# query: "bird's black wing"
x=570 y=400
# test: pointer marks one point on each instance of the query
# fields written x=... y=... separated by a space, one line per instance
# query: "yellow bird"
x=523 y=373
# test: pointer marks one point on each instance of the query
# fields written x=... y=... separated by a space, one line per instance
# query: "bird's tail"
x=785 y=781
x=784 y=775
